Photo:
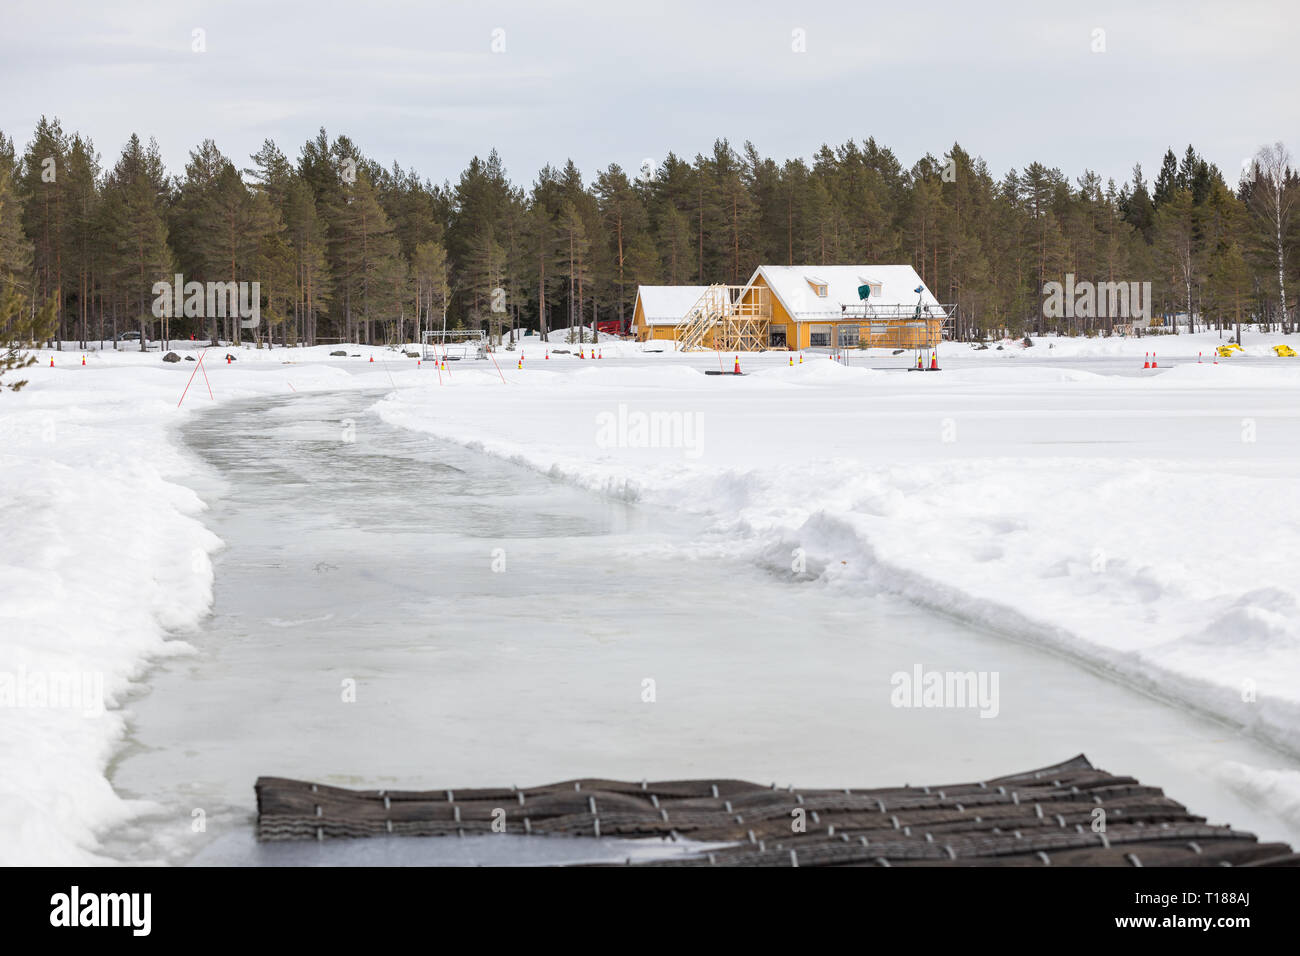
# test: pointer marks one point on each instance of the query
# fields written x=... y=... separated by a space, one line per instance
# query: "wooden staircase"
x=738 y=321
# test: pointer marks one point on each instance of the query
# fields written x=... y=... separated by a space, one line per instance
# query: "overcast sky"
x=621 y=82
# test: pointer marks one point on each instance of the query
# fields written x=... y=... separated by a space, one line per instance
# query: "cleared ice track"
x=394 y=611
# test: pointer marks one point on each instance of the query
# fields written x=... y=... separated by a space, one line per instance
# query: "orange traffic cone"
x=800 y=358
x=372 y=358
x=934 y=361
x=83 y=360
x=1153 y=360
x=601 y=355
x=548 y=355
x=1147 y=359
x=51 y=361
x=792 y=361
x=736 y=370
x=520 y=366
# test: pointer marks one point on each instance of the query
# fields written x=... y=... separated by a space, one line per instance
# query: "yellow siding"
x=798 y=335
x=646 y=332
x=779 y=316
x=638 y=320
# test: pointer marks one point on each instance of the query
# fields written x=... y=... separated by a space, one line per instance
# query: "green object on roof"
x=864 y=291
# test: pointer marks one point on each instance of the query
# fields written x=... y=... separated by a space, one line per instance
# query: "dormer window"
x=875 y=287
x=818 y=286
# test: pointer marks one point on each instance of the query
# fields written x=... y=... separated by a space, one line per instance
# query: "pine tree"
x=1137 y=207
x=20 y=327
x=1167 y=179
x=1176 y=230
x=44 y=188
x=15 y=250
x=575 y=241
x=626 y=225
x=305 y=232
x=432 y=287
x=1230 y=283
x=138 y=242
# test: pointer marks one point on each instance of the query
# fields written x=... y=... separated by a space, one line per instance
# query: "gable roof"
x=793 y=287
x=668 y=304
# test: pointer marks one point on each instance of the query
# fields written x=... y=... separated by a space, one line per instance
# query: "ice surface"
x=470 y=677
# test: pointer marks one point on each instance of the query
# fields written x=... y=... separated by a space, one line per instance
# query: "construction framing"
x=729 y=318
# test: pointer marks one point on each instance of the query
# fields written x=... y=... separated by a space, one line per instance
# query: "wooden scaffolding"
x=729 y=318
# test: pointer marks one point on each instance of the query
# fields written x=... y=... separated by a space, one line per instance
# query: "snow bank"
x=106 y=565
x=1145 y=525
x=1165 y=346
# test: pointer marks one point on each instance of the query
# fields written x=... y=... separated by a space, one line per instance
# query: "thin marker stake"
x=492 y=356
x=197 y=366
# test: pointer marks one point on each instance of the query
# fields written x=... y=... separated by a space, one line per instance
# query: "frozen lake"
x=362 y=556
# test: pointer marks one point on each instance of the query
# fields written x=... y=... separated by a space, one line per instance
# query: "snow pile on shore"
x=105 y=567
x=1145 y=525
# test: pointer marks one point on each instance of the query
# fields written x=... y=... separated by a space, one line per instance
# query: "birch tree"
x=1272 y=199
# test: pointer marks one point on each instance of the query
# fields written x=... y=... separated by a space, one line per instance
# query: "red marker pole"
x=498 y=367
x=197 y=366
x=205 y=375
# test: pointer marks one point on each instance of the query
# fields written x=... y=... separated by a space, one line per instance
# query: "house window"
x=875 y=288
x=848 y=336
x=818 y=286
x=819 y=336
x=776 y=336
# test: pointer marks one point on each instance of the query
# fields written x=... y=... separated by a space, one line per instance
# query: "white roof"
x=793 y=286
x=668 y=304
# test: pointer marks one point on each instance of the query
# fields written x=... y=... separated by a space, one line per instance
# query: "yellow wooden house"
x=660 y=309
x=797 y=307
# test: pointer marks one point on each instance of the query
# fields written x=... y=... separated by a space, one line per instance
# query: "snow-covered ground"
x=105 y=555
x=1143 y=522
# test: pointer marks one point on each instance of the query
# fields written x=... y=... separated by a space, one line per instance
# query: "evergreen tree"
x=136 y=202
x=1167 y=180
x=44 y=189
x=15 y=250
x=20 y=327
